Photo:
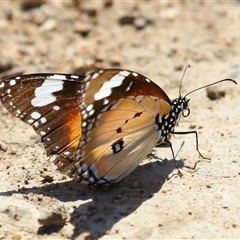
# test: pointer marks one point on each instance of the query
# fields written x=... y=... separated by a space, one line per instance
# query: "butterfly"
x=100 y=126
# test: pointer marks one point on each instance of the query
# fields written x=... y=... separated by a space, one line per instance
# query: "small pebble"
x=140 y=23
x=27 y=5
x=126 y=20
x=108 y=3
x=49 y=25
x=47 y=178
x=213 y=93
x=16 y=236
x=55 y=217
x=82 y=28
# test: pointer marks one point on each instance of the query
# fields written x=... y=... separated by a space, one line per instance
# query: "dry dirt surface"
x=157 y=39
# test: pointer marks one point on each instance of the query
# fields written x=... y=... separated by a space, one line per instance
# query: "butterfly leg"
x=174 y=159
x=196 y=135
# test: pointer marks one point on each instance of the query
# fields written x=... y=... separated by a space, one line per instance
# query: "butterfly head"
x=181 y=106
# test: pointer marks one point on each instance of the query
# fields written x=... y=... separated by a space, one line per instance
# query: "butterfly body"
x=101 y=125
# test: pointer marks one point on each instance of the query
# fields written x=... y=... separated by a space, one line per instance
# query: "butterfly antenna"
x=180 y=84
x=208 y=85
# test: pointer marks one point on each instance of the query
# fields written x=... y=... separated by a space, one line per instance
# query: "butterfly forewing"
x=48 y=102
x=114 y=84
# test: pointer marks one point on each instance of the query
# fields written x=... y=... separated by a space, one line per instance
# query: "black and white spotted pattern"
x=167 y=123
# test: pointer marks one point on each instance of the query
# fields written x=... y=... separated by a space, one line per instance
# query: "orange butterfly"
x=101 y=125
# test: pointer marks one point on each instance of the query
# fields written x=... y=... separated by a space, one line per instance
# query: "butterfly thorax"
x=167 y=123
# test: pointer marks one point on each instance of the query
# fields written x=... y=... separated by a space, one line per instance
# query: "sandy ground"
x=157 y=39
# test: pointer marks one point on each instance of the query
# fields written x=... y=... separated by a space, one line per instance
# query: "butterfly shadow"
x=105 y=206
x=108 y=206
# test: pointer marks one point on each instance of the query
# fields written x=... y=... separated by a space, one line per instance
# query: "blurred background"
x=152 y=37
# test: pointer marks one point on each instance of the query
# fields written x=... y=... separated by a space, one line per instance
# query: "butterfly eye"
x=186 y=112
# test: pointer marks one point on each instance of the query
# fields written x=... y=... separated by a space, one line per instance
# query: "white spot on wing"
x=36 y=124
x=89 y=107
x=35 y=115
x=74 y=76
x=56 y=108
x=129 y=86
x=135 y=74
x=79 y=170
x=106 y=88
x=2 y=85
x=91 y=179
x=101 y=181
x=125 y=73
x=44 y=93
x=87 y=78
x=43 y=120
x=139 y=98
x=105 y=101
x=91 y=112
x=30 y=121
x=95 y=75
x=85 y=116
x=117 y=147
x=85 y=174
x=102 y=94
x=57 y=76
x=86 y=86
x=90 y=126
x=115 y=81
x=42 y=133
x=12 y=82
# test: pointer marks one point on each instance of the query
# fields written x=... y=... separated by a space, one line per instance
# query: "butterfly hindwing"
x=116 y=141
